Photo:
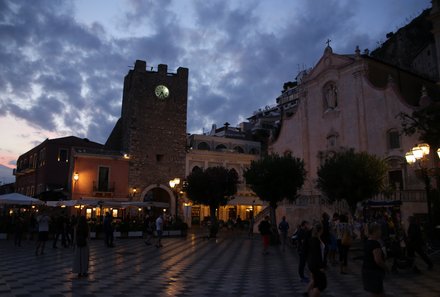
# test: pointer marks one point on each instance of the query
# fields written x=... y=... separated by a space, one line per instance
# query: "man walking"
x=108 y=229
x=159 y=230
x=264 y=228
x=304 y=234
x=284 y=228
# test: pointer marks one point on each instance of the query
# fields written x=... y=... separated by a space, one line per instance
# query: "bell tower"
x=152 y=127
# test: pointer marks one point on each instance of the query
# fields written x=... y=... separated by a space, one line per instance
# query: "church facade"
x=352 y=101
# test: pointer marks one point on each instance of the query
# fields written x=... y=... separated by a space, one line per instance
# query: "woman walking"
x=315 y=262
x=374 y=268
x=345 y=237
x=81 y=256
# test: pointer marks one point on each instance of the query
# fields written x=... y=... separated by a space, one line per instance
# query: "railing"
x=107 y=189
x=404 y=196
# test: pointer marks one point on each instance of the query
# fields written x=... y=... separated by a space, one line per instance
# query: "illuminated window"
x=115 y=213
x=88 y=213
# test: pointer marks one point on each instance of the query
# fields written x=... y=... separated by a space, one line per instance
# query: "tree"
x=274 y=178
x=213 y=187
x=352 y=177
x=425 y=121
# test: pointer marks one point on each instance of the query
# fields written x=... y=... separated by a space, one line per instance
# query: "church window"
x=330 y=96
x=393 y=139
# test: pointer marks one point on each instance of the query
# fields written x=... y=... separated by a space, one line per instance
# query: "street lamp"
x=174 y=183
x=419 y=155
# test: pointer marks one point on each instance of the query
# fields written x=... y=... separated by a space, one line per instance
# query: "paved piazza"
x=232 y=265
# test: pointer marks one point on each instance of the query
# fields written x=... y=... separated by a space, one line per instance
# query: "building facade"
x=352 y=101
x=46 y=167
x=237 y=154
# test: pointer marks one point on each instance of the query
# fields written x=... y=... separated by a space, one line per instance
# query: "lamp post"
x=419 y=155
x=174 y=183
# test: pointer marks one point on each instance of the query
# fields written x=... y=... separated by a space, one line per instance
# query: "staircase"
x=260 y=216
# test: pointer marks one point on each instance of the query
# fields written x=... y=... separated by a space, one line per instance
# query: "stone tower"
x=152 y=127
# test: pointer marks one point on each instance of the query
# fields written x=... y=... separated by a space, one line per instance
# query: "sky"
x=63 y=62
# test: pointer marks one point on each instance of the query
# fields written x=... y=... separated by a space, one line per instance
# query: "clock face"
x=161 y=92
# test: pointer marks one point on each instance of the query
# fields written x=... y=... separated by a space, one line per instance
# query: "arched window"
x=330 y=96
x=239 y=149
x=196 y=168
x=332 y=140
x=203 y=146
x=220 y=147
x=393 y=138
x=254 y=151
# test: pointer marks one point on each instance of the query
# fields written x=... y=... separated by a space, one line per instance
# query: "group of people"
x=319 y=243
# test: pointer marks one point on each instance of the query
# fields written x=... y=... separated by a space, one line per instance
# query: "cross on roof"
x=328 y=42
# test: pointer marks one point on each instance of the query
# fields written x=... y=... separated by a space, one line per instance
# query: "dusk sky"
x=63 y=62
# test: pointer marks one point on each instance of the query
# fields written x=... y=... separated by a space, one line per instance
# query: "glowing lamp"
x=417 y=152
x=410 y=159
x=425 y=148
x=76 y=176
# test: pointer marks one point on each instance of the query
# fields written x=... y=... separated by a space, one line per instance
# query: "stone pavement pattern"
x=232 y=265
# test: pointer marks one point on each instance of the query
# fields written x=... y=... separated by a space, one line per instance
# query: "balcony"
x=102 y=190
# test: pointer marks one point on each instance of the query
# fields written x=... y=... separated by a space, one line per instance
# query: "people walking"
x=81 y=255
x=283 y=226
x=265 y=230
x=108 y=229
x=373 y=267
x=325 y=237
x=43 y=232
x=159 y=230
x=149 y=228
x=315 y=262
x=345 y=237
x=415 y=242
x=251 y=226
x=18 y=229
x=303 y=235
x=60 y=229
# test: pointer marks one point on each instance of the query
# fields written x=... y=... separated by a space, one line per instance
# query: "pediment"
x=329 y=61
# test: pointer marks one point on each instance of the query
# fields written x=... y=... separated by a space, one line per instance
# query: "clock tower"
x=152 y=129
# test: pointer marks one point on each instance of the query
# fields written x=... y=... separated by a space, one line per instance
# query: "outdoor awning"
x=245 y=200
x=19 y=199
x=88 y=201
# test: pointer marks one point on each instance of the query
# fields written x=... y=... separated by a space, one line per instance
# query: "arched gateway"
x=160 y=193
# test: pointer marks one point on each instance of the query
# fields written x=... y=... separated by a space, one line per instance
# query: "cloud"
x=67 y=77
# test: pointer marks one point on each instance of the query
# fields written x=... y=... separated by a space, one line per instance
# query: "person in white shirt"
x=159 y=230
x=43 y=232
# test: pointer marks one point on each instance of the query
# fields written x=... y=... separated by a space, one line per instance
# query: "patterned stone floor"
x=232 y=265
